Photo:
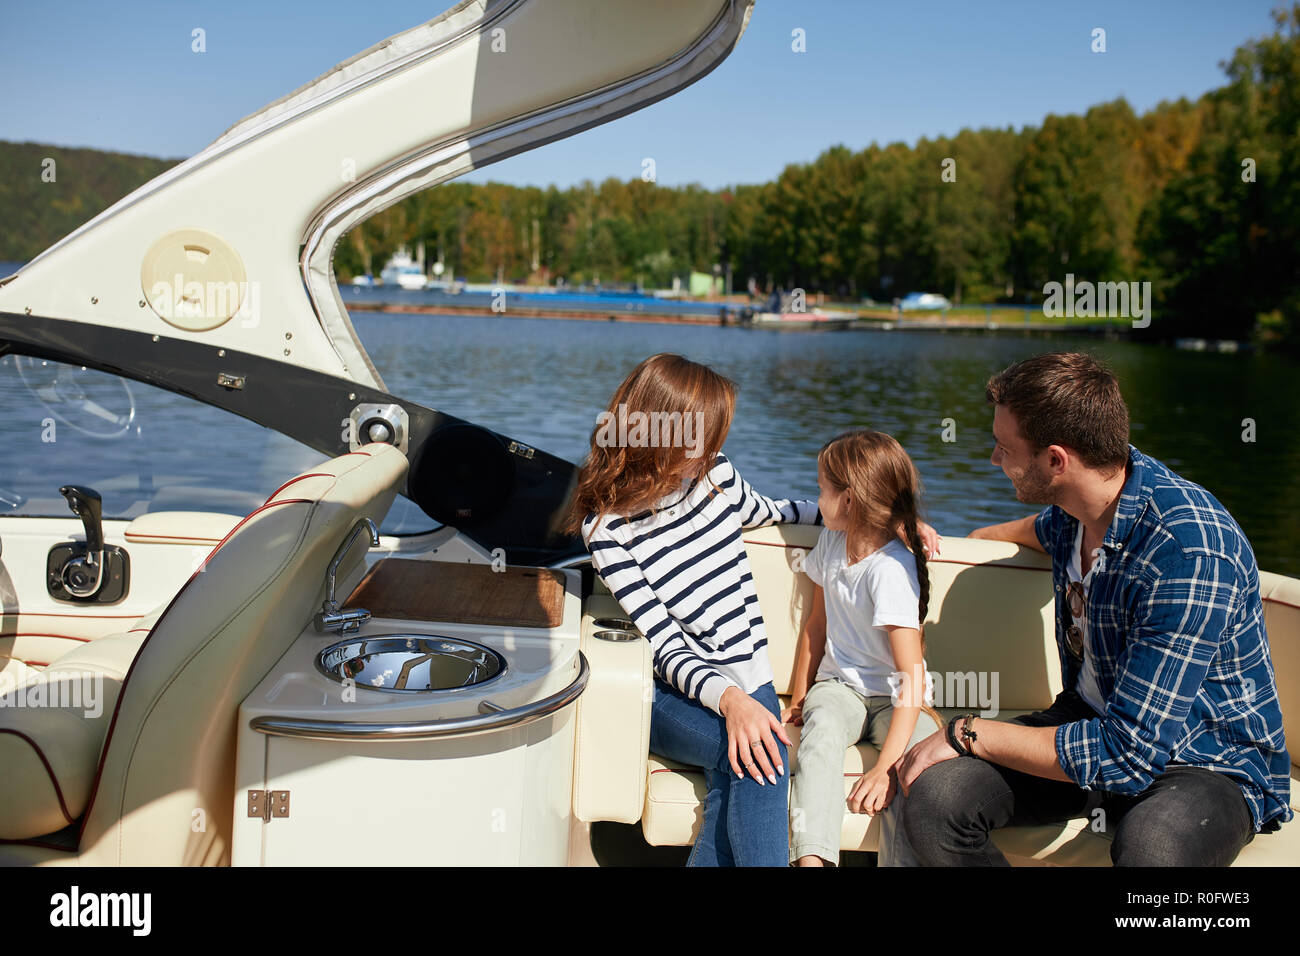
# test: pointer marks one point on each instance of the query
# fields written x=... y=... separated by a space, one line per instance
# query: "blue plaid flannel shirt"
x=1176 y=628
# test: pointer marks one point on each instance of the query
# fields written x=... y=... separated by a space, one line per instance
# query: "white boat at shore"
x=279 y=679
x=402 y=271
x=811 y=321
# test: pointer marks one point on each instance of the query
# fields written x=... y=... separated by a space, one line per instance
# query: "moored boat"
x=402 y=271
x=814 y=320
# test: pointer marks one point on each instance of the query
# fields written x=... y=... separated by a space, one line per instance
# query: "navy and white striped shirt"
x=682 y=575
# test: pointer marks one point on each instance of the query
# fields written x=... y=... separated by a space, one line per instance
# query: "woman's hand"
x=794 y=713
x=930 y=538
x=873 y=791
x=750 y=727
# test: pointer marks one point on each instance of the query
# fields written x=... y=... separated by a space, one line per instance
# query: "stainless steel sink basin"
x=410 y=663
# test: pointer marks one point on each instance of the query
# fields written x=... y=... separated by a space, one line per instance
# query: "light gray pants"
x=835 y=717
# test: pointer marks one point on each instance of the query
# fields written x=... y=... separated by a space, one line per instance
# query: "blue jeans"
x=744 y=824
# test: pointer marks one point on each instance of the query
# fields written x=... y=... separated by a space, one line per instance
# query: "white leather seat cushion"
x=50 y=753
x=674 y=806
x=674 y=809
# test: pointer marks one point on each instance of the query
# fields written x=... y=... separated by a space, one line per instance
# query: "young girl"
x=662 y=512
x=862 y=639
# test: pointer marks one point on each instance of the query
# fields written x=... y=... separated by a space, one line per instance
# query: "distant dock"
x=633 y=307
x=1032 y=323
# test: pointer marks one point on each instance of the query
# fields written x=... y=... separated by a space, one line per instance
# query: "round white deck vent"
x=193 y=280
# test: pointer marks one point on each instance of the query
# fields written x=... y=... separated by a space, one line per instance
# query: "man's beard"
x=1035 y=486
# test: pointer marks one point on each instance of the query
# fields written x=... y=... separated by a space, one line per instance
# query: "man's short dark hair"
x=1068 y=399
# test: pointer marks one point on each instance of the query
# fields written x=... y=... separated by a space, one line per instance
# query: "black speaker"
x=465 y=475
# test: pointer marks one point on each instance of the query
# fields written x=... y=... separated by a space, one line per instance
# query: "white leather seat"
x=49 y=751
x=990 y=611
x=163 y=791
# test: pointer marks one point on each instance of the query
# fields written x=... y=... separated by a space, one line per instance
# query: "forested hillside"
x=1200 y=198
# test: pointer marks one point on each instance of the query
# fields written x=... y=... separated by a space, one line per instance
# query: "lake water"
x=543 y=381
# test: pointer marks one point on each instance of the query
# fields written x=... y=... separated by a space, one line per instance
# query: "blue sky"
x=121 y=76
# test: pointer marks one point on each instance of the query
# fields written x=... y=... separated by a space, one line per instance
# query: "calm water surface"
x=543 y=381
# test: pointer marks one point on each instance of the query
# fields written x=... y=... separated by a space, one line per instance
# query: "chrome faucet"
x=330 y=618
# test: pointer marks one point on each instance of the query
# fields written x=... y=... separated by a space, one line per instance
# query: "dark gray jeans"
x=1188 y=816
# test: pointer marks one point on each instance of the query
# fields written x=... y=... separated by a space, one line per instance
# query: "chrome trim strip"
x=336 y=215
x=430 y=729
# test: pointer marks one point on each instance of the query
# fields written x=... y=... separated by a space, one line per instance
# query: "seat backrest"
x=990 y=614
x=1281 y=597
x=164 y=789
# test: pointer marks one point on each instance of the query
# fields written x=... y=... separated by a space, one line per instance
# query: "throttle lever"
x=83 y=575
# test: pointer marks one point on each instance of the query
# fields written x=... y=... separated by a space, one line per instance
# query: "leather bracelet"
x=953 y=742
x=968 y=735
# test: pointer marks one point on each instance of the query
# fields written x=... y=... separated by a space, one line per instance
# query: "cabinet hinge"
x=268 y=803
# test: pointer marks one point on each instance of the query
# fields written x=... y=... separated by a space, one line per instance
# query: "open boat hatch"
x=214 y=280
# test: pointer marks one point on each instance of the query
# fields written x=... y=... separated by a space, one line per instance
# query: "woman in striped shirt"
x=662 y=511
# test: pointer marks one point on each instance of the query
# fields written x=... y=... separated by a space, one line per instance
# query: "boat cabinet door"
x=493 y=799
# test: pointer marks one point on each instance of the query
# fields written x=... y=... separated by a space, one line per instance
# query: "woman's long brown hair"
x=884 y=498
x=623 y=479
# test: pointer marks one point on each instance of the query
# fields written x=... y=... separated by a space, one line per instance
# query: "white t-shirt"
x=1087 y=686
x=861 y=600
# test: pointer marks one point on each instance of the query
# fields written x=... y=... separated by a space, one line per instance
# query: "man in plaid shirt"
x=1169 y=722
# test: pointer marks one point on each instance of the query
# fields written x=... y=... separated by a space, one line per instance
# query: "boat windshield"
x=142 y=448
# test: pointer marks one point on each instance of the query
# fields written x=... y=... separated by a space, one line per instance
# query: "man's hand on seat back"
x=1021 y=531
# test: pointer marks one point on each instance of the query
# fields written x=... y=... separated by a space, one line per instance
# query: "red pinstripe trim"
x=136 y=629
x=243 y=521
x=986 y=564
x=48 y=846
x=941 y=560
x=63 y=807
x=314 y=474
x=989 y=564
x=66 y=637
x=693 y=770
x=75 y=617
x=121 y=693
x=31 y=663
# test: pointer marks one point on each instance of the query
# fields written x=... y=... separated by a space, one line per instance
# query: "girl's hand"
x=793 y=714
x=750 y=727
x=873 y=791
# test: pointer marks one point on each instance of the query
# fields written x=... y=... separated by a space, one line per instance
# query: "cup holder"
x=612 y=635
x=613 y=624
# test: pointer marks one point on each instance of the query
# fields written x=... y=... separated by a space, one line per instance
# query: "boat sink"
x=410 y=663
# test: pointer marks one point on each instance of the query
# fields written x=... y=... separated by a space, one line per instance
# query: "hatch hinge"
x=268 y=803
